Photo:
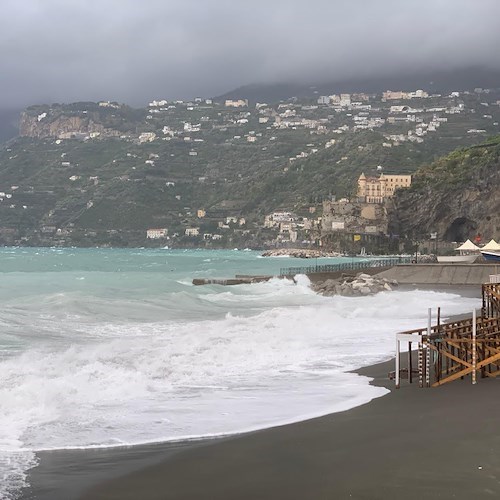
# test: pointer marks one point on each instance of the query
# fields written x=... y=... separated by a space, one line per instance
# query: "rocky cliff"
x=65 y=121
x=458 y=197
x=62 y=126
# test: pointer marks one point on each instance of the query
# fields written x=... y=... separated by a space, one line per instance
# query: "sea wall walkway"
x=441 y=274
x=391 y=269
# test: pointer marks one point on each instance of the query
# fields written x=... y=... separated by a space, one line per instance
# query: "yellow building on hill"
x=378 y=189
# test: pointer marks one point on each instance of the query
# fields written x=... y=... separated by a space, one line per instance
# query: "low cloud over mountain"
x=59 y=51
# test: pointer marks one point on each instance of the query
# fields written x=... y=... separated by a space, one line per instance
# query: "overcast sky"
x=136 y=50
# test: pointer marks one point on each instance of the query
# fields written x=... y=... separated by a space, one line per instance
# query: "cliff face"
x=458 y=197
x=61 y=126
x=65 y=120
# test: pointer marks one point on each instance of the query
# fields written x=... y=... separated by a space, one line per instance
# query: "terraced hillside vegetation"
x=207 y=172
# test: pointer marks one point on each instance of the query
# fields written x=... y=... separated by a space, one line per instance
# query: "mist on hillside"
x=54 y=51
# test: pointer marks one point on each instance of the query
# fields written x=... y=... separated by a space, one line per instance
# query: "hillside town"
x=360 y=219
x=195 y=157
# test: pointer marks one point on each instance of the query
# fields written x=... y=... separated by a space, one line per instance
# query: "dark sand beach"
x=412 y=443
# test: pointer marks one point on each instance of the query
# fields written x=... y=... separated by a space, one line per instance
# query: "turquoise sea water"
x=104 y=347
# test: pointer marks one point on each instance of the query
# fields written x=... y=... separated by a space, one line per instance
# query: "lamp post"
x=434 y=236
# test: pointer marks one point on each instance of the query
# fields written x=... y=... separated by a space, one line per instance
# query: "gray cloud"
x=133 y=51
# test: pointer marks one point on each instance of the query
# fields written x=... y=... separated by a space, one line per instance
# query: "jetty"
x=370 y=266
x=239 y=279
x=454 y=350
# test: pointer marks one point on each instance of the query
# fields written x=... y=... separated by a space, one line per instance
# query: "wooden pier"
x=454 y=350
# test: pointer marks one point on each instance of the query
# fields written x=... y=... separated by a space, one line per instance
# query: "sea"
x=104 y=348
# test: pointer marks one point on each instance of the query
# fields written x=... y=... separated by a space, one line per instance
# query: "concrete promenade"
x=441 y=274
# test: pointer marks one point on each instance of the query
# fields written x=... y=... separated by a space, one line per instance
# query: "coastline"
x=370 y=451
x=412 y=443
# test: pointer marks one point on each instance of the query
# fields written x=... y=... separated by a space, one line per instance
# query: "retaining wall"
x=441 y=274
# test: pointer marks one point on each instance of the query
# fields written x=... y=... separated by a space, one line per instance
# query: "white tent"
x=468 y=246
x=491 y=245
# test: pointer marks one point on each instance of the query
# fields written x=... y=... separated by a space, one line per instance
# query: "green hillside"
x=88 y=173
x=456 y=196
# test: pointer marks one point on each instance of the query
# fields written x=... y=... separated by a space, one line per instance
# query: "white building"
x=239 y=103
x=276 y=218
x=147 y=137
x=154 y=104
x=345 y=99
x=155 y=234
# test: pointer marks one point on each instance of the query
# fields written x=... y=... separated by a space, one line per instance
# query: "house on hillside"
x=147 y=137
x=238 y=103
x=155 y=234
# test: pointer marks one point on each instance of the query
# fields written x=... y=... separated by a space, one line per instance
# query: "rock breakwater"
x=300 y=253
x=354 y=286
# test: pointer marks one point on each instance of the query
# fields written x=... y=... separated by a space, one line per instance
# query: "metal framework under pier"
x=457 y=349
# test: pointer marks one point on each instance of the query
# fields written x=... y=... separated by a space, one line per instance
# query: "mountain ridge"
x=434 y=81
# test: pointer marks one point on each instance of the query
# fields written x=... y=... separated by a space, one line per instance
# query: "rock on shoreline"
x=354 y=286
x=301 y=253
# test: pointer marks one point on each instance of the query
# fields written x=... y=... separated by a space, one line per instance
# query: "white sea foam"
x=114 y=386
x=219 y=360
x=14 y=467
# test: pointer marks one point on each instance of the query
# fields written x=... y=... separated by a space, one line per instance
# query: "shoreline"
x=411 y=443
x=322 y=457
x=76 y=471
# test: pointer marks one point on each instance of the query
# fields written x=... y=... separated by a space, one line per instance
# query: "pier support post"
x=474 y=347
x=420 y=365
x=428 y=351
x=410 y=367
x=397 y=362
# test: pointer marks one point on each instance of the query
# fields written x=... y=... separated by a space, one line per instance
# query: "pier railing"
x=491 y=300
x=345 y=266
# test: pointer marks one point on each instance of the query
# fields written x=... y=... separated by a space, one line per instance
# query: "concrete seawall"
x=441 y=274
